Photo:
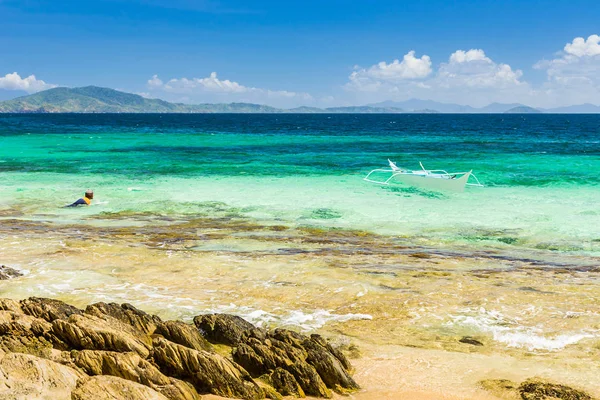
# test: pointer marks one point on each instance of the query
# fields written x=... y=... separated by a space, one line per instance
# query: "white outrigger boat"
x=433 y=179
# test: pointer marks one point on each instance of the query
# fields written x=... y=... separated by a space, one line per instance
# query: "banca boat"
x=432 y=179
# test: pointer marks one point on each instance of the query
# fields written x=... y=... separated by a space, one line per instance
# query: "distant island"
x=93 y=99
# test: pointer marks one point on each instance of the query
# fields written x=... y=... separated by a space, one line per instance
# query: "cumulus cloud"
x=474 y=69
x=467 y=75
x=212 y=88
x=573 y=76
x=581 y=47
x=378 y=75
x=30 y=84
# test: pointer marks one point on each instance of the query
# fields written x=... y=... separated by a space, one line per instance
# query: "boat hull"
x=432 y=182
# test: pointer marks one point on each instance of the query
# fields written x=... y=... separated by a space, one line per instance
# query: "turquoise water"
x=540 y=172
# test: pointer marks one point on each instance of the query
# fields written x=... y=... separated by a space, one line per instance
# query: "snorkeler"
x=85 y=200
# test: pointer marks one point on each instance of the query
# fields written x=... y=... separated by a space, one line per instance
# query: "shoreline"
x=33 y=332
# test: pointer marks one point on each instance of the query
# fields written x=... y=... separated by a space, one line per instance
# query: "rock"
x=94 y=333
x=8 y=273
x=225 y=329
x=329 y=367
x=10 y=305
x=113 y=388
x=259 y=357
x=48 y=309
x=208 y=372
x=184 y=334
x=132 y=367
x=284 y=383
x=534 y=389
x=312 y=362
x=28 y=377
x=336 y=352
x=15 y=323
x=127 y=314
x=26 y=344
x=501 y=388
x=470 y=340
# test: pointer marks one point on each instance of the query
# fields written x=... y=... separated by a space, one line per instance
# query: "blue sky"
x=309 y=52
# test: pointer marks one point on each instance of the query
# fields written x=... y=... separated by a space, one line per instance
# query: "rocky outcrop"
x=48 y=309
x=533 y=389
x=50 y=349
x=113 y=388
x=183 y=334
x=283 y=382
x=126 y=313
x=132 y=367
x=8 y=273
x=24 y=376
x=96 y=333
x=313 y=366
x=224 y=328
x=208 y=372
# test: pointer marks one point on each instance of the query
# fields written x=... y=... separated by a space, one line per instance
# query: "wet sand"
x=399 y=306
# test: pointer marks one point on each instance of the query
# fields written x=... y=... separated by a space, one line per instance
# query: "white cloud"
x=467 y=77
x=461 y=56
x=581 y=47
x=475 y=70
x=381 y=74
x=573 y=77
x=212 y=88
x=30 y=84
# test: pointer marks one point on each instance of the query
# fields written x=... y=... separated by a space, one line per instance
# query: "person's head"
x=89 y=194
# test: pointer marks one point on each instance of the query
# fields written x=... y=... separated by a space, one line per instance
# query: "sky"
x=307 y=53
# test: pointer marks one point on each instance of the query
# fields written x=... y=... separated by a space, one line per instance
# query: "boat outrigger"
x=433 y=179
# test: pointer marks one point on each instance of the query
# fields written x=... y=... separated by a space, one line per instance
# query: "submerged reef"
x=50 y=349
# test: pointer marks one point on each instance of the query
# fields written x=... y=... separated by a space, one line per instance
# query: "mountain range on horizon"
x=93 y=99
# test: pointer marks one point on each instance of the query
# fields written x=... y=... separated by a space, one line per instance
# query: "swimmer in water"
x=85 y=200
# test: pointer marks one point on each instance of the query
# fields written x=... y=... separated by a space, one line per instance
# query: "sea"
x=267 y=216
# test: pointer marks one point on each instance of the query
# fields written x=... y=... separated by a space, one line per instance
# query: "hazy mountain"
x=416 y=104
x=364 y=110
x=499 y=108
x=586 y=108
x=92 y=99
x=522 y=110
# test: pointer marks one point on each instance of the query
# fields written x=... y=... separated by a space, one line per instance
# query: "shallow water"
x=267 y=216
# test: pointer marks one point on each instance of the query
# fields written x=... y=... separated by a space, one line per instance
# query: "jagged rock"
x=225 y=329
x=501 y=388
x=311 y=361
x=15 y=323
x=184 y=334
x=208 y=372
x=48 y=309
x=284 y=383
x=29 y=377
x=8 y=273
x=26 y=344
x=534 y=389
x=113 y=388
x=127 y=314
x=10 y=305
x=259 y=357
x=132 y=367
x=96 y=333
x=470 y=340
x=336 y=352
x=329 y=368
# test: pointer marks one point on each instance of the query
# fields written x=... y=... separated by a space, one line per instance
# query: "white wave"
x=511 y=333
